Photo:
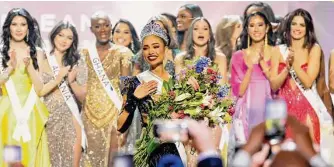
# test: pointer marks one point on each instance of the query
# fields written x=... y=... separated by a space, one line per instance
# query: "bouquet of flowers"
x=212 y=101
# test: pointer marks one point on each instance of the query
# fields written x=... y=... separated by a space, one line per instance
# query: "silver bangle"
x=4 y=75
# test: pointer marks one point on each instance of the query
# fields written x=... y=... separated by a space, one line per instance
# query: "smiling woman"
x=125 y=34
x=58 y=84
x=185 y=15
x=22 y=113
x=250 y=73
x=141 y=90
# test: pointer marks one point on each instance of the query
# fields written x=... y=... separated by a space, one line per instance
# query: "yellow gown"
x=34 y=152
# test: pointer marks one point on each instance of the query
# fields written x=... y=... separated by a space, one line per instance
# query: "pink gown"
x=250 y=108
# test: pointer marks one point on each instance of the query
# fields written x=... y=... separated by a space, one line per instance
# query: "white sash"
x=22 y=114
x=311 y=94
x=98 y=68
x=325 y=120
x=147 y=76
x=69 y=99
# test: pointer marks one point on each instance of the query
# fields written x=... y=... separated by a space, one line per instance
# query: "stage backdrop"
x=49 y=13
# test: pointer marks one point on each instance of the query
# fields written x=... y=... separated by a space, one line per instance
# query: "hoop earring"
x=248 y=42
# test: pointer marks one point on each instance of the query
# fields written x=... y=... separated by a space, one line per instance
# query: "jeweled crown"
x=153 y=28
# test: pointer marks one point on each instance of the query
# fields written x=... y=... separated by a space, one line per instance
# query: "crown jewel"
x=153 y=28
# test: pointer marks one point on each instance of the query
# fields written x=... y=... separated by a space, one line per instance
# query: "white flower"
x=208 y=101
x=216 y=115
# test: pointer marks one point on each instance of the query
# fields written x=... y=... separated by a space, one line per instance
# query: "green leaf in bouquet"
x=178 y=86
x=152 y=145
x=182 y=97
x=195 y=103
x=192 y=111
x=198 y=95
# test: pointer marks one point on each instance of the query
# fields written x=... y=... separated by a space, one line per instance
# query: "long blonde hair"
x=224 y=32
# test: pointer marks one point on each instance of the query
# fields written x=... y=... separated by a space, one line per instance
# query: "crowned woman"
x=142 y=91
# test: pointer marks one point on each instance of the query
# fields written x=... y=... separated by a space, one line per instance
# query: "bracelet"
x=5 y=74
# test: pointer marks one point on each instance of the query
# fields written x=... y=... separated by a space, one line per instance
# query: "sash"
x=311 y=94
x=147 y=76
x=22 y=114
x=69 y=99
x=101 y=74
x=325 y=120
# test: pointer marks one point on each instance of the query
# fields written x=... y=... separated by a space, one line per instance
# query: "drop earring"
x=132 y=46
x=265 y=41
x=27 y=36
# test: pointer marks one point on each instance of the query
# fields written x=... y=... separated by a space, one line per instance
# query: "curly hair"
x=30 y=39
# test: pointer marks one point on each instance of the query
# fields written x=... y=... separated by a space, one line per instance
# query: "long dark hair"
x=136 y=42
x=171 y=17
x=310 y=40
x=244 y=33
x=164 y=20
x=195 y=11
x=264 y=8
x=310 y=37
x=71 y=56
x=30 y=39
x=39 y=41
x=190 y=42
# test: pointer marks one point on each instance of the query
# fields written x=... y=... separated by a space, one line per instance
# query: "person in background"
x=185 y=15
x=124 y=34
x=172 y=21
x=227 y=34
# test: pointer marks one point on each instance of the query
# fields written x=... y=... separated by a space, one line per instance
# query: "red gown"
x=298 y=105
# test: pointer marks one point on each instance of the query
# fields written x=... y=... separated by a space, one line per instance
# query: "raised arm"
x=133 y=97
x=179 y=62
x=6 y=72
x=239 y=78
x=77 y=79
x=307 y=78
x=41 y=88
x=277 y=78
x=126 y=63
x=331 y=72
